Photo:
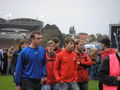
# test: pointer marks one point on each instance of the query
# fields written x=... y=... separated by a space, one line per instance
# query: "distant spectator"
x=5 y=61
x=10 y=53
x=1 y=61
x=22 y=45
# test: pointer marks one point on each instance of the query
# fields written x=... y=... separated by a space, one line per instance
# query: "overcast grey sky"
x=89 y=16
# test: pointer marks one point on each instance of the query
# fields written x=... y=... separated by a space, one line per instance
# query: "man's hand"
x=78 y=62
x=118 y=78
x=61 y=82
x=43 y=80
x=96 y=50
x=18 y=88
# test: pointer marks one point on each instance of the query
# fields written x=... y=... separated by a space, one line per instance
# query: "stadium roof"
x=21 y=23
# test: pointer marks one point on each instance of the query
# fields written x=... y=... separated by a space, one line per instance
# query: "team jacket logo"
x=64 y=58
x=35 y=52
x=74 y=59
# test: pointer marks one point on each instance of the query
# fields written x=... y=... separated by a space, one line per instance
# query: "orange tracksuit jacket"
x=65 y=67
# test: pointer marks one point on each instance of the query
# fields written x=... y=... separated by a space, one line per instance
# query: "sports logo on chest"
x=74 y=59
x=35 y=52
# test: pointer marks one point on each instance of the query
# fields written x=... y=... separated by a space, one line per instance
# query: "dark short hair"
x=106 y=42
x=68 y=39
x=56 y=40
x=23 y=41
x=32 y=34
x=119 y=46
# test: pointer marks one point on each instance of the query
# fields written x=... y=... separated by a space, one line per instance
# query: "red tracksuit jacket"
x=82 y=72
x=57 y=50
x=65 y=66
x=50 y=60
x=106 y=53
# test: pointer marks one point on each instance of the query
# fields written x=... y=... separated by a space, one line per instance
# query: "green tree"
x=93 y=38
x=49 y=32
x=72 y=30
x=82 y=33
x=100 y=36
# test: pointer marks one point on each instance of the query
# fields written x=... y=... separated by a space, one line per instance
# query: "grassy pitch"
x=6 y=83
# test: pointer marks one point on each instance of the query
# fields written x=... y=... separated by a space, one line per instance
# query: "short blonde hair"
x=50 y=42
x=78 y=40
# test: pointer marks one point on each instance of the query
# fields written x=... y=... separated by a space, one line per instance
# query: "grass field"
x=6 y=83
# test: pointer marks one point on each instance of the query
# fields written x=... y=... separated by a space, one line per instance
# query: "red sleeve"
x=57 y=67
x=87 y=61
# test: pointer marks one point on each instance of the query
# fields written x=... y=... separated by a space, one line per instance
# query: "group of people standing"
x=8 y=58
x=108 y=74
x=5 y=59
x=53 y=68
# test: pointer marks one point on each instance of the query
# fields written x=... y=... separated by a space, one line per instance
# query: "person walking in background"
x=83 y=61
x=30 y=67
x=65 y=67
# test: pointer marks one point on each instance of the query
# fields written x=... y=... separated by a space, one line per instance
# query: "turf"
x=6 y=83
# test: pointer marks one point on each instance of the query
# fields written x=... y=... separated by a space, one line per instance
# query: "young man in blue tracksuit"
x=30 y=68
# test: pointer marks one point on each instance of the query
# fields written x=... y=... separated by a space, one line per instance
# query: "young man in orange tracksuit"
x=65 y=67
x=83 y=61
x=50 y=60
